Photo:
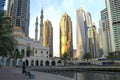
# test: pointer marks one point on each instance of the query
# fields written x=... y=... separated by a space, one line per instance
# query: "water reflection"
x=97 y=76
x=90 y=75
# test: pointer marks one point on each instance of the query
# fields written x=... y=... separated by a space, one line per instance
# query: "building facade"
x=37 y=56
x=48 y=36
x=113 y=11
x=92 y=41
x=105 y=31
x=2 y=4
x=88 y=19
x=81 y=33
x=19 y=11
x=66 y=41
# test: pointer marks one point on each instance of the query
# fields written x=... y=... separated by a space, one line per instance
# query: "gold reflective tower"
x=48 y=36
x=66 y=43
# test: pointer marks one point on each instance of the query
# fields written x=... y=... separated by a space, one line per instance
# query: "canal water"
x=97 y=76
x=94 y=75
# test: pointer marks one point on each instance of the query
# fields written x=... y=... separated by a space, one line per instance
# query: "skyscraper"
x=113 y=11
x=19 y=11
x=92 y=41
x=48 y=36
x=66 y=41
x=92 y=45
x=88 y=19
x=2 y=3
x=105 y=32
x=81 y=32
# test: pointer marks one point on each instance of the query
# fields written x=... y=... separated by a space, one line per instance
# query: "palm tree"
x=65 y=57
x=7 y=41
x=87 y=56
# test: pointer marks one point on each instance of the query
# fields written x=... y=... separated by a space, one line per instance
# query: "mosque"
x=31 y=51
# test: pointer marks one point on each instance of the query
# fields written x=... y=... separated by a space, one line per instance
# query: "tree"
x=7 y=41
x=87 y=56
x=111 y=56
x=16 y=55
x=65 y=57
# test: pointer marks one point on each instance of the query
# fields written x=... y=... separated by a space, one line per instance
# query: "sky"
x=53 y=10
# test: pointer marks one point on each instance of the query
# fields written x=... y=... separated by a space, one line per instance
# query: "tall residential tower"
x=113 y=11
x=105 y=32
x=2 y=3
x=19 y=11
x=81 y=32
x=66 y=41
x=47 y=34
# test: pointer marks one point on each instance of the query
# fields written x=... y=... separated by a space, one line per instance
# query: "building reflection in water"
x=97 y=76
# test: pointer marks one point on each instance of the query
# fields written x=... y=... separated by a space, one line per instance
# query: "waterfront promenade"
x=50 y=72
x=12 y=74
x=75 y=68
x=49 y=76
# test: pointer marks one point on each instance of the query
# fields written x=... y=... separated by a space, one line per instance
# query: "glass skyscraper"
x=48 y=36
x=81 y=33
x=113 y=10
x=19 y=11
x=2 y=3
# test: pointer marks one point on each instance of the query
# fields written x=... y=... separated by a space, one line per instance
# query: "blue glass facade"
x=2 y=3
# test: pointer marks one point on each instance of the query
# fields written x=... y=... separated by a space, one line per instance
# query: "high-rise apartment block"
x=92 y=42
x=66 y=41
x=19 y=11
x=48 y=36
x=87 y=37
x=81 y=33
x=113 y=11
x=2 y=3
x=105 y=32
x=88 y=19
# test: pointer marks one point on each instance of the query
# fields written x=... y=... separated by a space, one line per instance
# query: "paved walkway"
x=47 y=76
x=12 y=74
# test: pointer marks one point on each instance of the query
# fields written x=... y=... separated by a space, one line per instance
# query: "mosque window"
x=41 y=51
x=36 y=52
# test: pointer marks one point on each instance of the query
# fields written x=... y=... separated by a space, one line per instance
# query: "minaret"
x=36 y=29
x=41 y=25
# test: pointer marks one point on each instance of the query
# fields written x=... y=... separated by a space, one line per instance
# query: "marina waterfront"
x=72 y=73
x=97 y=75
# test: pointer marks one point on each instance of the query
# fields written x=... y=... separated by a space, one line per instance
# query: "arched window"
x=41 y=63
x=59 y=61
x=8 y=62
x=41 y=52
x=37 y=63
x=53 y=63
x=47 y=63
